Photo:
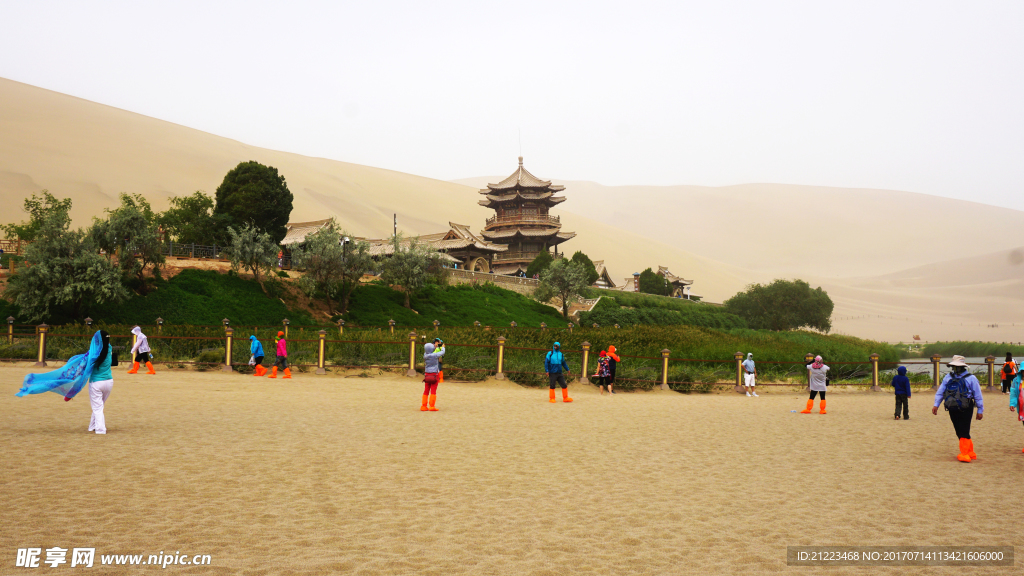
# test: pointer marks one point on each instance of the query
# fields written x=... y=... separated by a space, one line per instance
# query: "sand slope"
x=92 y=152
x=324 y=475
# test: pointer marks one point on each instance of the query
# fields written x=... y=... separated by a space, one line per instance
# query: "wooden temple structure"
x=522 y=221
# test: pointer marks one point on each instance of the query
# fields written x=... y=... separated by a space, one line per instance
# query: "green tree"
x=540 y=263
x=652 y=283
x=66 y=271
x=252 y=250
x=131 y=231
x=254 y=194
x=38 y=208
x=783 y=305
x=191 y=220
x=588 y=265
x=410 y=266
x=564 y=280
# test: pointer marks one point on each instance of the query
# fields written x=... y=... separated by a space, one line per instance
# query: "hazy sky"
x=921 y=96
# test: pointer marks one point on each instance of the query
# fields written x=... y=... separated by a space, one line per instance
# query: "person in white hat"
x=960 y=392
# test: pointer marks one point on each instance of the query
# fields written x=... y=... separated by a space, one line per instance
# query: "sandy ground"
x=332 y=475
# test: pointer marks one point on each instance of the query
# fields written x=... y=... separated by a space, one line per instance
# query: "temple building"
x=462 y=248
x=522 y=221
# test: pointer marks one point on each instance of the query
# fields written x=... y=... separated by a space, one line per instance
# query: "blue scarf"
x=69 y=379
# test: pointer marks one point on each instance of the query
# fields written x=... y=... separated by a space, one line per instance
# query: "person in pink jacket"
x=282 y=357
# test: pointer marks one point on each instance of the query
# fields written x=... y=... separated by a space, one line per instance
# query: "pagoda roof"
x=672 y=278
x=297 y=231
x=527 y=233
x=521 y=178
x=458 y=237
x=547 y=197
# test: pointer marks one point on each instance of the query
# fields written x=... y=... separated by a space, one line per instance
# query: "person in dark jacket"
x=554 y=363
x=901 y=384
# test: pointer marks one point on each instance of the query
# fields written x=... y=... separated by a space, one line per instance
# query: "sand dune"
x=91 y=153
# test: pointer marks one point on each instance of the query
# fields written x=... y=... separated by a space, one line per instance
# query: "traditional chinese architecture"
x=297 y=231
x=462 y=247
x=680 y=288
x=604 y=279
x=522 y=221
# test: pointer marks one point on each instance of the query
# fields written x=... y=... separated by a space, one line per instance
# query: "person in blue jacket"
x=1015 y=403
x=901 y=384
x=256 y=349
x=554 y=363
x=960 y=393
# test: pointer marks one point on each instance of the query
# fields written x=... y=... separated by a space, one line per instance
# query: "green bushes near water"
x=976 y=349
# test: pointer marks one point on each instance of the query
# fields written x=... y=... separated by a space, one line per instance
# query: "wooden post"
x=991 y=361
x=41 y=331
x=808 y=358
x=160 y=325
x=513 y=324
x=874 y=373
x=543 y=325
x=436 y=324
x=286 y=322
x=321 y=365
x=10 y=330
x=501 y=359
x=229 y=333
x=341 y=328
x=936 y=376
x=476 y=323
x=134 y=356
x=412 y=353
x=88 y=324
x=739 y=372
x=570 y=327
x=391 y=324
x=664 y=369
x=586 y=362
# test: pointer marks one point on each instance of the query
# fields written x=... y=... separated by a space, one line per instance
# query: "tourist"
x=1010 y=370
x=613 y=364
x=280 y=258
x=141 y=352
x=431 y=376
x=1015 y=401
x=282 y=358
x=256 y=349
x=602 y=372
x=749 y=374
x=91 y=368
x=438 y=343
x=901 y=386
x=819 y=384
x=959 y=393
x=554 y=363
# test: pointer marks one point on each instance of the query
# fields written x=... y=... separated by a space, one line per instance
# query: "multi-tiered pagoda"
x=521 y=203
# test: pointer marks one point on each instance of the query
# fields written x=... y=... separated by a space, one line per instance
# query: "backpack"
x=958 y=394
x=1009 y=370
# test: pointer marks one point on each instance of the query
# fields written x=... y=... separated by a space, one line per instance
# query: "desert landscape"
x=331 y=475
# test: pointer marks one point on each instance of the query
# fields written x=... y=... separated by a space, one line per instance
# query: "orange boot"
x=970 y=450
x=551 y=396
x=440 y=377
x=822 y=411
x=149 y=365
x=135 y=368
x=423 y=407
x=964 y=456
x=259 y=371
x=433 y=398
x=810 y=404
x=565 y=395
x=273 y=373
x=288 y=374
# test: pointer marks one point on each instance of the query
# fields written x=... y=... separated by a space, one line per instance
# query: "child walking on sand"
x=960 y=392
x=901 y=384
x=602 y=372
x=431 y=376
x=282 y=358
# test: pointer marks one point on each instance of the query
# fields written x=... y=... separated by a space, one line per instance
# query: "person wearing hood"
x=819 y=384
x=140 y=351
x=256 y=349
x=901 y=385
x=431 y=375
x=960 y=392
x=1015 y=401
x=554 y=363
x=749 y=374
x=602 y=371
x=282 y=358
x=613 y=363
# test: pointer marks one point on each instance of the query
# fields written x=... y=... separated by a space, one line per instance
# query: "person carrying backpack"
x=960 y=392
x=554 y=363
x=1016 y=402
x=1010 y=370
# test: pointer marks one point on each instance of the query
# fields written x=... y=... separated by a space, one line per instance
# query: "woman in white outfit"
x=101 y=382
x=819 y=384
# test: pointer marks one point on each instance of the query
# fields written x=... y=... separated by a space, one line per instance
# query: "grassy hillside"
x=461 y=305
x=632 y=309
